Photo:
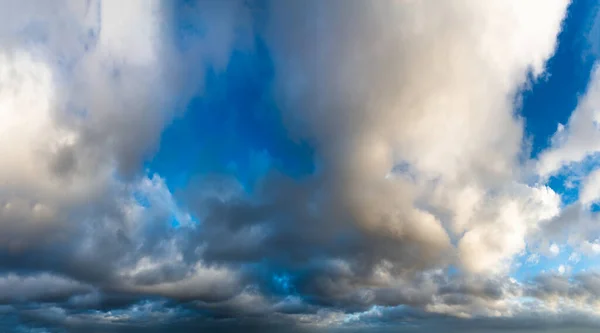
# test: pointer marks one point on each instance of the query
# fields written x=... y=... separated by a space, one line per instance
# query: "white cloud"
x=574 y=257
x=554 y=250
x=504 y=225
x=86 y=92
x=590 y=190
x=76 y=122
x=533 y=259
x=374 y=93
x=590 y=248
x=578 y=139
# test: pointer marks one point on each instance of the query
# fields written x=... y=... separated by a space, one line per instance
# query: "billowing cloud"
x=382 y=89
x=420 y=199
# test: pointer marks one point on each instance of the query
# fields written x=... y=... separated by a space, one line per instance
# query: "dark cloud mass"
x=411 y=205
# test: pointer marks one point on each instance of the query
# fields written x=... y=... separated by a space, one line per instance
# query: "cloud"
x=417 y=207
x=84 y=101
x=577 y=140
x=548 y=302
x=376 y=109
x=576 y=226
x=369 y=96
x=533 y=259
x=43 y=287
x=590 y=189
x=81 y=123
x=580 y=290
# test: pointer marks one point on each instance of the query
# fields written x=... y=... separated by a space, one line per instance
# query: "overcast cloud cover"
x=299 y=166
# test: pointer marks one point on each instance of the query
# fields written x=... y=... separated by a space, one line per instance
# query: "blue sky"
x=299 y=166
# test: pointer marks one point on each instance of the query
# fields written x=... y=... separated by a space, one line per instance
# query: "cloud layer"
x=422 y=204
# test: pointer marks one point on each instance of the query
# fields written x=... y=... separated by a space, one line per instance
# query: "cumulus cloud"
x=576 y=226
x=419 y=202
x=55 y=101
x=384 y=100
x=573 y=153
x=86 y=92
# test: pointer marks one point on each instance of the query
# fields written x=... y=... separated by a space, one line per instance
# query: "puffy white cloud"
x=491 y=244
x=590 y=248
x=86 y=92
x=433 y=90
x=575 y=226
x=83 y=102
x=562 y=269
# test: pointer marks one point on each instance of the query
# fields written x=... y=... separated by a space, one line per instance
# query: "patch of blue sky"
x=276 y=278
x=155 y=195
x=232 y=127
x=142 y=199
x=586 y=263
x=283 y=283
x=174 y=221
x=551 y=99
x=568 y=181
x=452 y=270
x=179 y=217
x=573 y=262
x=567 y=188
x=532 y=264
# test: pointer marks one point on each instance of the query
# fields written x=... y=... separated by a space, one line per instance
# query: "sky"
x=303 y=166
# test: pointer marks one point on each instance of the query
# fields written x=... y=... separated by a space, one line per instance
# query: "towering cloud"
x=410 y=106
x=421 y=198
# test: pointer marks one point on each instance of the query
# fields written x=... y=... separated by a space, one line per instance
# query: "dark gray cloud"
x=582 y=287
